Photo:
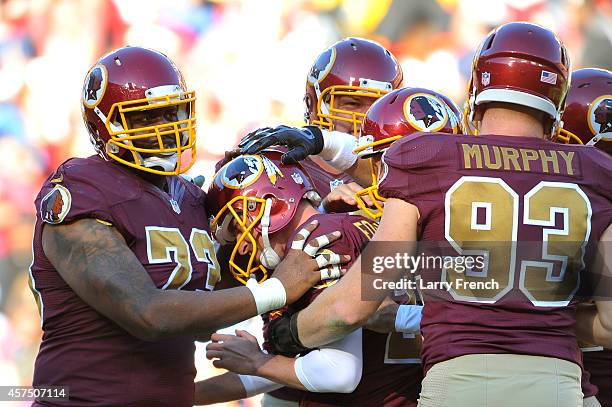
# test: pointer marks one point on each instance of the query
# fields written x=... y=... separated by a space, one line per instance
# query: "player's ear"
x=245 y=247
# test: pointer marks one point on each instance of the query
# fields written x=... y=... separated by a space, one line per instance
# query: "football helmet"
x=139 y=81
x=587 y=118
x=256 y=192
x=352 y=66
x=396 y=115
x=523 y=64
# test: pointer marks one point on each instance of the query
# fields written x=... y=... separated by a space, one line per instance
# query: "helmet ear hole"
x=490 y=43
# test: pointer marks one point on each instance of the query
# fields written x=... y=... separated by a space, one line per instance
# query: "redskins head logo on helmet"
x=398 y=114
x=139 y=112
x=587 y=118
x=352 y=67
x=523 y=64
x=250 y=198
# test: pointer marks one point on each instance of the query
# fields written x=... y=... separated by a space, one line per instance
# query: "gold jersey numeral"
x=165 y=245
x=494 y=233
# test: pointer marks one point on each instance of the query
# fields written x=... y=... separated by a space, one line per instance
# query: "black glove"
x=301 y=142
x=283 y=336
x=254 y=135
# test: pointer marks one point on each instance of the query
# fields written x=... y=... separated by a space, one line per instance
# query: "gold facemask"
x=243 y=274
x=372 y=193
x=566 y=136
x=123 y=136
x=326 y=120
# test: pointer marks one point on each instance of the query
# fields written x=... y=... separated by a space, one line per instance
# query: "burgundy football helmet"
x=396 y=115
x=139 y=81
x=256 y=192
x=352 y=66
x=523 y=64
x=587 y=118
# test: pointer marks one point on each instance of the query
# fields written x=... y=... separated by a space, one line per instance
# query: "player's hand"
x=302 y=268
x=301 y=142
x=383 y=320
x=342 y=199
x=254 y=136
x=239 y=354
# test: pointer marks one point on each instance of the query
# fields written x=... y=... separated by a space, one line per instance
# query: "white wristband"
x=408 y=318
x=338 y=149
x=269 y=295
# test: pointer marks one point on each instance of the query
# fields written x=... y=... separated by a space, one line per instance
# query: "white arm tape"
x=338 y=149
x=335 y=368
x=269 y=295
x=408 y=318
x=256 y=385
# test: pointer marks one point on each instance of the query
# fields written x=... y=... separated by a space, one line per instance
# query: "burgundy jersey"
x=324 y=181
x=471 y=191
x=102 y=364
x=599 y=364
x=391 y=374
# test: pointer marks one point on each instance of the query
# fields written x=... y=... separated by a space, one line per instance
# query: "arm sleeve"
x=335 y=368
x=256 y=385
x=338 y=149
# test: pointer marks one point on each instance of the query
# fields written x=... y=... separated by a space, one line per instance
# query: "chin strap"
x=268 y=257
x=167 y=163
x=599 y=136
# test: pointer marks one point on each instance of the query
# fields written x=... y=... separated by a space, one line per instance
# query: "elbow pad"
x=408 y=318
x=333 y=369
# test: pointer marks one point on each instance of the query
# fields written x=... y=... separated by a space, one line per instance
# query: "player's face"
x=245 y=248
x=153 y=117
x=358 y=104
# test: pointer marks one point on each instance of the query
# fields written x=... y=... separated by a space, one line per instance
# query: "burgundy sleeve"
x=67 y=198
x=406 y=161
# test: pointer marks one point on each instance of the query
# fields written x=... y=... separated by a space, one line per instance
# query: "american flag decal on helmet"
x=548 y=77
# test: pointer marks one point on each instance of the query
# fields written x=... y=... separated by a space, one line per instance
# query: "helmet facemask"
x=328 y=113
x=243 y=214
x=566 y=137
x=372 y=191
x=366 y=149
x=168 y=141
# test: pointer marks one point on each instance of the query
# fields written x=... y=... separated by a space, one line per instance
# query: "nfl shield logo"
x=333 y=184
x=297 y=178
x=175 y=206
x=485 y=79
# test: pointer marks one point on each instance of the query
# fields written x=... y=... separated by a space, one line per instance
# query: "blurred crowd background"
x=247 y=61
